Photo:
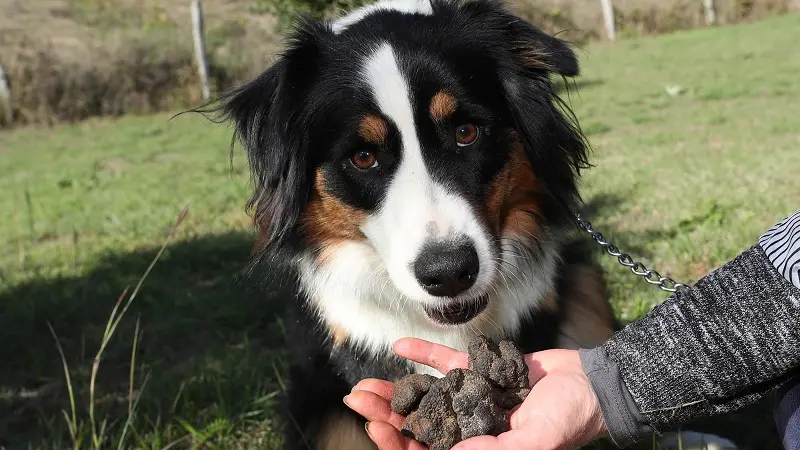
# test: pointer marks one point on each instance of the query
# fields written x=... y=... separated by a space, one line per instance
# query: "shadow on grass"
x=210 y=350
x=208 y=346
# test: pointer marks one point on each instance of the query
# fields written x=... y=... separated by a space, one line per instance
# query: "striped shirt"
x=781 y=243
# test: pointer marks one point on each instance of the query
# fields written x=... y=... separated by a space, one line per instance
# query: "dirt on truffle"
x=466 y=402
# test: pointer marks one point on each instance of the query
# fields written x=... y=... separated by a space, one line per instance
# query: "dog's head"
x=413 y=155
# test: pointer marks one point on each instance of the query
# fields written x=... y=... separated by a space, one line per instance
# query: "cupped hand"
x=560 y=413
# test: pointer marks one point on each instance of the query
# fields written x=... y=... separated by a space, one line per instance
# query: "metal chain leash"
x=651 y=276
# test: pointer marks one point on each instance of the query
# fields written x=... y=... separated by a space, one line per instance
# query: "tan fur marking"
x=344 y=432
x=588 y=319
x=512 y=206
x=373 y=129
x=327 y=221
x=338 y=334
x=443 y=105
x=533 y=57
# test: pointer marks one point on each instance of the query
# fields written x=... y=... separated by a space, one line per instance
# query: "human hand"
x=560 y=413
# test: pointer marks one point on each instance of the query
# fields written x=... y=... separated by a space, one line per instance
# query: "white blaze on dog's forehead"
x=390 y=90
x=404 y=6
x=416 y=209
x=409 y=195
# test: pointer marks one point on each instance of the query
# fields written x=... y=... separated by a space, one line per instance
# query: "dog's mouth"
x=456 y=312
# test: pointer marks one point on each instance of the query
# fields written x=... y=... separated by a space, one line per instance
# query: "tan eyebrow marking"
x=443 y=105
x=373 y=129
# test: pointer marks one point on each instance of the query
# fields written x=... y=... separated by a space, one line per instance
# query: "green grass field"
x=697 y=147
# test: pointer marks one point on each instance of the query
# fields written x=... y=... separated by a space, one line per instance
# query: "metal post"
x=200 y=47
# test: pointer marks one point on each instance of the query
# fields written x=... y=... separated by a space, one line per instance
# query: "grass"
x=683 y=182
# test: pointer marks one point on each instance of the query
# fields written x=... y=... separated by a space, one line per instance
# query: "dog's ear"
x=545 y=125
x=531 y=48
x=269 y=121
x=539 y=51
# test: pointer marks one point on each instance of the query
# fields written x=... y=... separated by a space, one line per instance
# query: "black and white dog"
x=416 y=175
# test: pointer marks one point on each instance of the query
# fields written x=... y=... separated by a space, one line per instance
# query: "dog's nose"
x=447 y=269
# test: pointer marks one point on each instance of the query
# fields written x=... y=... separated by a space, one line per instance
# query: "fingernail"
x=345 y=400
x=366 y=427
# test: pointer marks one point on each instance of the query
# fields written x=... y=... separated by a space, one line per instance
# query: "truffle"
x=409 y=391
x=504 y=366
x=465 y=402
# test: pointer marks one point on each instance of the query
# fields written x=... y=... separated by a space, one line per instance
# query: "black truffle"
x=409 y=391
x=466 y=402
x=504 y=366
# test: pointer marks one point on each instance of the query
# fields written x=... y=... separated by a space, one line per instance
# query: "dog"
x=415 y=174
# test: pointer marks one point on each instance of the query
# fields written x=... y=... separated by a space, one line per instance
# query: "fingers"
x=387 y=437
x=373 y=407
x=441 y=358
x=381 y=388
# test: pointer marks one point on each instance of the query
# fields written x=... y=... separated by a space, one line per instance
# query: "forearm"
x=713 y=348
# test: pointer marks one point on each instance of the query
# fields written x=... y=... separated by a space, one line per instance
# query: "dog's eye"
x=466 y=134
x=364 y=160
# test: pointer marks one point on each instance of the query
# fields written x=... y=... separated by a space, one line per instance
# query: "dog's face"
x=411 y=156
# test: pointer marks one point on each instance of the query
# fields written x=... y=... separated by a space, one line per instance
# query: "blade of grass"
x=129 y=421
x=177 y=398
x=96 y=368
x=133 y=366
x=131 y=403
x=29 y=204
x=195 y=435
x=73 y=423
x=21 y=255
x=177 y=441
x=101 y=436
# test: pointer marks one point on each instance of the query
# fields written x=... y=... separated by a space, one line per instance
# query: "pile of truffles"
x=441 y=412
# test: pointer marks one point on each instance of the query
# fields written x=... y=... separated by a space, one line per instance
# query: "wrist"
x=618 y=416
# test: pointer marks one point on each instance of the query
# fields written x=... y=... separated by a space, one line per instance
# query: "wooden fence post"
x=200 y=47
x=608 y=18
x=711 y=12
x=5 y=99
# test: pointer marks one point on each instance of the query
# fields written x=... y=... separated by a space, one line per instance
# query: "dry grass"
x=581 y=20
x=136 y=76
x=72 y=59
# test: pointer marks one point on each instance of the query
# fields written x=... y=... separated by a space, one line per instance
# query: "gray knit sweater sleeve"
x=714 y=348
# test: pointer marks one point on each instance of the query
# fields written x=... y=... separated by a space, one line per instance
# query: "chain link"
x=649 y=275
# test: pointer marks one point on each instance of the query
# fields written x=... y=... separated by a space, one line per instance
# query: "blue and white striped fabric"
x=782 y=245
x=787 y=415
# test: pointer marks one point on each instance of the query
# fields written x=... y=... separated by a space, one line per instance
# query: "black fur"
x=301 y=114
